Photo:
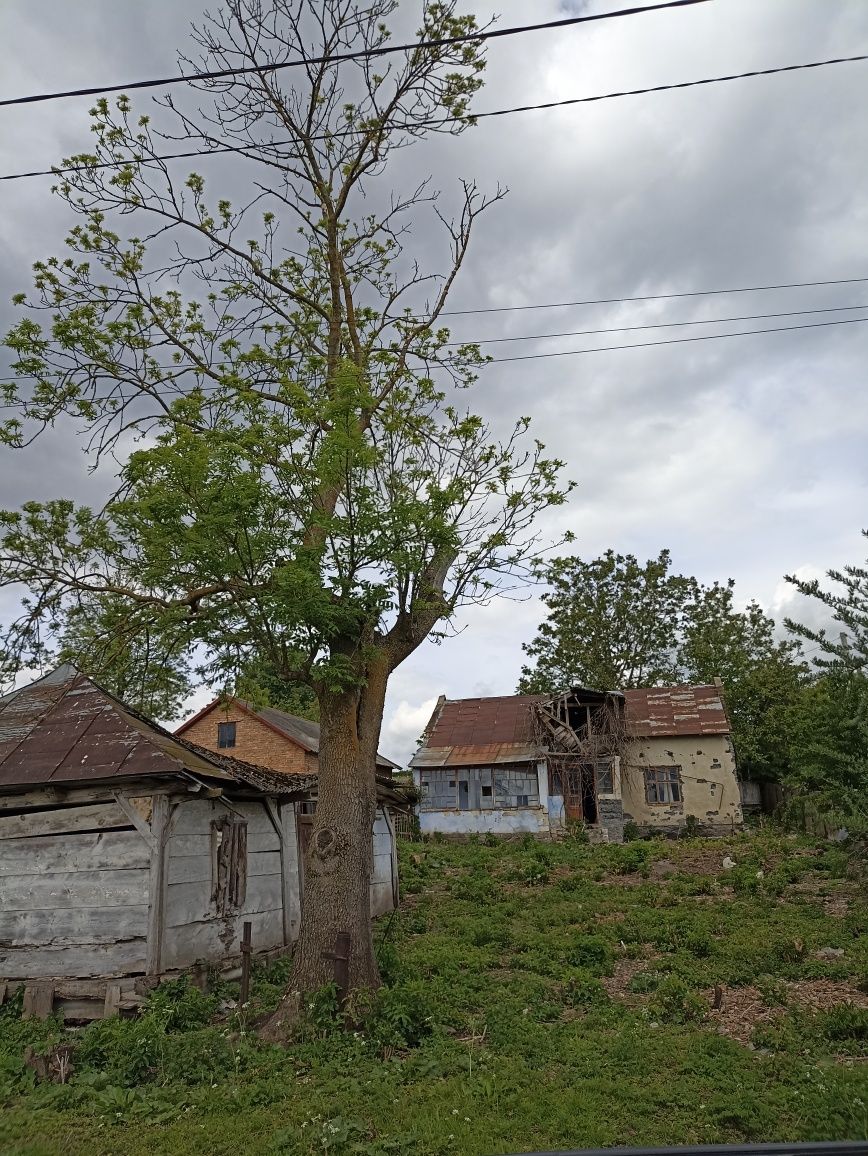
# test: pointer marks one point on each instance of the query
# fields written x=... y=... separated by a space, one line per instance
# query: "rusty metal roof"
x=676 y=710
x=64 y=729
x=475 y=732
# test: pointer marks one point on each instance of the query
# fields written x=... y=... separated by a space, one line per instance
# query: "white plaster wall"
x=708 y=779
x=497 y=822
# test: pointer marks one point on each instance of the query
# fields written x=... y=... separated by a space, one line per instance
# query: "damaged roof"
x=676 y=710
x=473 y=732
x=301 y=731
x=469 y=732
x=64 y=729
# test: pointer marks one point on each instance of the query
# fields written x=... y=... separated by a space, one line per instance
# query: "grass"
x=538 y=996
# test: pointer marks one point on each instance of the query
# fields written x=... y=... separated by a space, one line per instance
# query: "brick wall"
x=255 y=742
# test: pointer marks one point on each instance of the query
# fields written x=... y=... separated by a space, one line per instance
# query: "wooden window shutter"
x=229 y=840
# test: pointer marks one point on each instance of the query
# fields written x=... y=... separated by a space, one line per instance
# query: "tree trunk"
x=339 y=861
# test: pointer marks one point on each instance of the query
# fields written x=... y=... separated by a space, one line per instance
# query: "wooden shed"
x=127 y=853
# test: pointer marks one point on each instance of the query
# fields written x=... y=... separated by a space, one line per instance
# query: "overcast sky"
x=745 y=456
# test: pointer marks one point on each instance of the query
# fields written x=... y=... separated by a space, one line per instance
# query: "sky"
x=746 y=457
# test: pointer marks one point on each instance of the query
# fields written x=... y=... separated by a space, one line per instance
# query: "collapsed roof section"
x=522 y=728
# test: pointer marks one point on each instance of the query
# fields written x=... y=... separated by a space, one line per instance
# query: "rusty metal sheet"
x=681 y=710
x=65 y=728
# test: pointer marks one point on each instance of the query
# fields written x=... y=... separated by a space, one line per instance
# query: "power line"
x=187 y=365
x=222 y=150
x=652 y=297
x=360 y=54
x=495 y=360
x=658 y=325
x=678 y=340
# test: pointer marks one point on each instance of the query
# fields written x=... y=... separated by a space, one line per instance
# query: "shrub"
x=489 y=931
x=399 y=1016
x=631 y=831
x=592 y=953
x=179 y=1006
x=127 y=1052
x=582 y=989
x=674 y=1002
x=532 y=872
x=773 y=991
x=845 y=1023
x=628 y=858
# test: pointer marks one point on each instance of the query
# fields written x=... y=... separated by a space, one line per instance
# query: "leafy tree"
x=612 y=623
x=828 y=733
x=829 y=725
x=848 y=603
x=762 y=676
x=307 y=498
x=264 y=686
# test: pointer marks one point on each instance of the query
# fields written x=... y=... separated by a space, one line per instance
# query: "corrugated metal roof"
x=676 y=710
x=479 y=732
x=64 y=729
x=474 y=732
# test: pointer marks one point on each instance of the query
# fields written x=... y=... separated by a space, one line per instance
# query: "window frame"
x=660 y=780
x=228 y=726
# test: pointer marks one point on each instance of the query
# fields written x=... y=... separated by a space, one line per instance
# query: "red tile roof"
x=483 y=731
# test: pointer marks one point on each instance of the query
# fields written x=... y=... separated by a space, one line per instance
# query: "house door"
x=571 y=779
x=580 y=794
x=463 y=795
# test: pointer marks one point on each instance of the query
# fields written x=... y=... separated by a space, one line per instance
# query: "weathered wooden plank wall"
x=381 y=880
x=73 y=893
x=193 y=929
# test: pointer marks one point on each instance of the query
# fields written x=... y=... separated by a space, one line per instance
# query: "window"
x=605 y=778
x=225 y=735
x=479 y=788
x=229 y=863
x=663 y=786
x=307 y=807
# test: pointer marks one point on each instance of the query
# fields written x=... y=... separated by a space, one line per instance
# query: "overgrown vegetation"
x=536 y=996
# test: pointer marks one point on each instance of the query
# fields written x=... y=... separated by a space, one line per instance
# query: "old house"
x=289 y=745
x=536 y=763
x=127 y=852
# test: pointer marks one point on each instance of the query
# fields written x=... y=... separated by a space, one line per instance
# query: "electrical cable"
x=525 y=357
x=242 y=151
x=652 y=297
x=658 y=325
x=181 y=365
x=361 y=54
x=677 y=340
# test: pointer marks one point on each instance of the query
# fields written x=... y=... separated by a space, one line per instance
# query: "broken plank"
x=66 y=925
x=119 y=888
x=38 y=1001
x=62 y=820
